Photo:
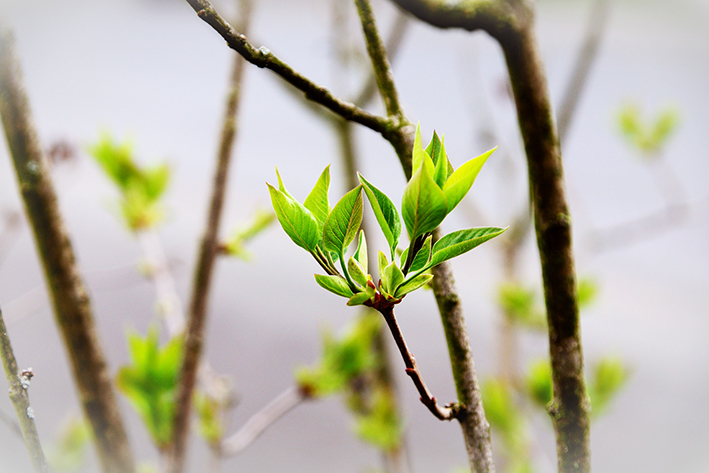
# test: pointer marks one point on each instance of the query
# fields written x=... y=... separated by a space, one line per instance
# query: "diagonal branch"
x=18 y=396
x=72 y=307
x=264 y=58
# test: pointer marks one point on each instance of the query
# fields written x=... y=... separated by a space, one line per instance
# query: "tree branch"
x=204 y=268
x=20 y=399
x=442 y=413
x=476 y=429
x=71 y=302
x=511 y=23
x=259 y=422
x=264 y=58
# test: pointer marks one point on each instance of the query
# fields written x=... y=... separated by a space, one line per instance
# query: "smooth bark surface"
x=71 y=304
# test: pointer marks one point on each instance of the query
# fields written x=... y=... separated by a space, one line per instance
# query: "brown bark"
x=71 y=303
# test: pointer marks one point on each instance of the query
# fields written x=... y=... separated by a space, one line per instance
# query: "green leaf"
x=385 y=212
x=317 y=201
x=412 y=284
x=609 y=376
x=393 y=277
x=423 y=257
x=460 y=182
x=359 y=298
x=361 y=253
x=281 y=187
x=383 y=263
x=539 y=382
x=586 y=292
x=500 y=408
x=297 y=221
x=459 y=242
x=419 y=157
x=335 y=284
x=424 y=205
x=381 y=425
x=440 y=174
x=356 y=271
x=343 y=222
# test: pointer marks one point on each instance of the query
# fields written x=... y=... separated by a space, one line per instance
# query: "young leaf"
x=440 y=174
x=356 y=271
x=335 y=284
x=343 y=222
x=412 y=284
x=383 y=263
x=385 y=212
x=281 y=187
x=418 y=155
x=296 y=220
x=424 y=205
x=460 y=182
x=317 y=201
x=361 y=253
x=456 y=243
x=393 y=277
x=359 y=298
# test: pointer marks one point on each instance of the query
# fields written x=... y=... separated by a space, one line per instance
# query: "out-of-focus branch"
x=259 y=422
x=204 y=268
x=584 y=61
x=19 y=383
x=71 y=302
x=511 y=23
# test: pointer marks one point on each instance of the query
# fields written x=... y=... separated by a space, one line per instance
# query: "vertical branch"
x=476 y=429
x=203 y=272
x=71 y=302
x=570 y=409
x=19 y=398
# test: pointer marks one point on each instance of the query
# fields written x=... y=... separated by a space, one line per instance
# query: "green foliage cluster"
x=141 y=188
x=348 y=366
x=433 y=191
x=68 y=452
x=235 y=245
x=211 y=421
x=649 y=138
x=150 y=382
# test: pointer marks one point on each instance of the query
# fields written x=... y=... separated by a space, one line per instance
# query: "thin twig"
x=259 y=422
x=19 y=384
x=584 y=61
x=168 y=301
x=71 y=302
x=10 y=422
x=440 y=412
x=204 y=267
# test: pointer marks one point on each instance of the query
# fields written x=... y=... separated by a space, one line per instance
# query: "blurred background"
x=151 y=72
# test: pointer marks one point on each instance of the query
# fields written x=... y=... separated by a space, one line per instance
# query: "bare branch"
x=262 y=57
x=442 y=413
x=71 y=302
x=19 y=383
x=204 y=268
x=582 y=67
x=259 y=422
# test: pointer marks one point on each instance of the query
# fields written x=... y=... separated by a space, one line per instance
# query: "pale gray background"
x=153 y=72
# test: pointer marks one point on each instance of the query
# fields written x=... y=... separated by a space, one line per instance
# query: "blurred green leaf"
x=539 y=382
x=381 y=426
x=649 y=139
x=343 y=359
x=141 y=188
x=587 y=292
x=209 y=412
x=68 y=452
x=150 y=382
x=235 y=244
x=520 y=305
x=608 y=378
